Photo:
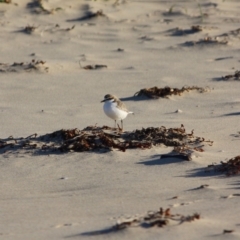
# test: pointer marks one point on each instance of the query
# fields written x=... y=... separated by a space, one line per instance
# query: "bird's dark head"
x=109 y=97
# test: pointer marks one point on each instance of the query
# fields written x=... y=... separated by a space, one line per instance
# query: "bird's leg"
x=122 y=124
x=115 y=123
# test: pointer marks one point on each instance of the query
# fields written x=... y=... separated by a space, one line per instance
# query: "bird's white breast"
x=111 y=110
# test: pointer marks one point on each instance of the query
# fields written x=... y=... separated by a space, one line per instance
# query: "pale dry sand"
x=70 y=196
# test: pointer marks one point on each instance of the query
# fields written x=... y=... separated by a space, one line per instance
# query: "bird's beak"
x=103 y=100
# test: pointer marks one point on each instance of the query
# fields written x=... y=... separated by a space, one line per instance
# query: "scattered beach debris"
x=175 y=197
x=234 y=33
x=227 y=231
x=93 y=67
x=38 y=7
x=223 y=58
x=201 y=187
x=146 y=38
x=34 y=65
x=156 y=92
x=159 y=218
x=57 y=28
x=196 y=28
x=180 y=32
x=230 y=168
x=105 y=138
x=178 y=111
x=235 y=76
x=89 y=15
x=231 y=195
x=70 y=28
x=50 y=28
x=207 y=40
x=236 y=135
x=29 y=29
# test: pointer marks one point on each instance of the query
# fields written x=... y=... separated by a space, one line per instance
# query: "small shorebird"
x=114 y=108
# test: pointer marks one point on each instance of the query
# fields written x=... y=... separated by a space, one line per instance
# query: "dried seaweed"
x=207 y=41
x=234 y=33
x=104 y=138
x=156 y=92
x=89 y=15
x=93 y=67
x=235 y=76
x=159 y=218
x=180 y=32
x=230 y=168
x=29 y=29
x=227 y=231
x=95 y=138
x=34 y=65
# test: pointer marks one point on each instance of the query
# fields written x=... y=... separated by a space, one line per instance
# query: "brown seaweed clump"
x=156 y=92
x=159 y=218
x=207 y=41
x=230 y=168
x=105 y=138
x=235 y=76
x=33 y=65
x=180 y=32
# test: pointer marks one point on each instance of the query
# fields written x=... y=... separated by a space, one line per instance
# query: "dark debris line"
x=158 y=218
x=235 y=76
x=94 y=138
x=230 y=168
x=156 y=92
x=33 y=65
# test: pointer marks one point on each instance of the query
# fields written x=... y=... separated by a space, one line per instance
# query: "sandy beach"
x=59 y=59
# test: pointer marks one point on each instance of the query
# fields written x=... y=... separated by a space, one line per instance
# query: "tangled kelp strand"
x=94 y=138
x=207 y=41
x=89 y=15
x=235 y=76
x=180 y=32
x=231 y=167
x=29 y=29
x=33 y=65
x=92 y=67
x=156 y=92
x=158 y=218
